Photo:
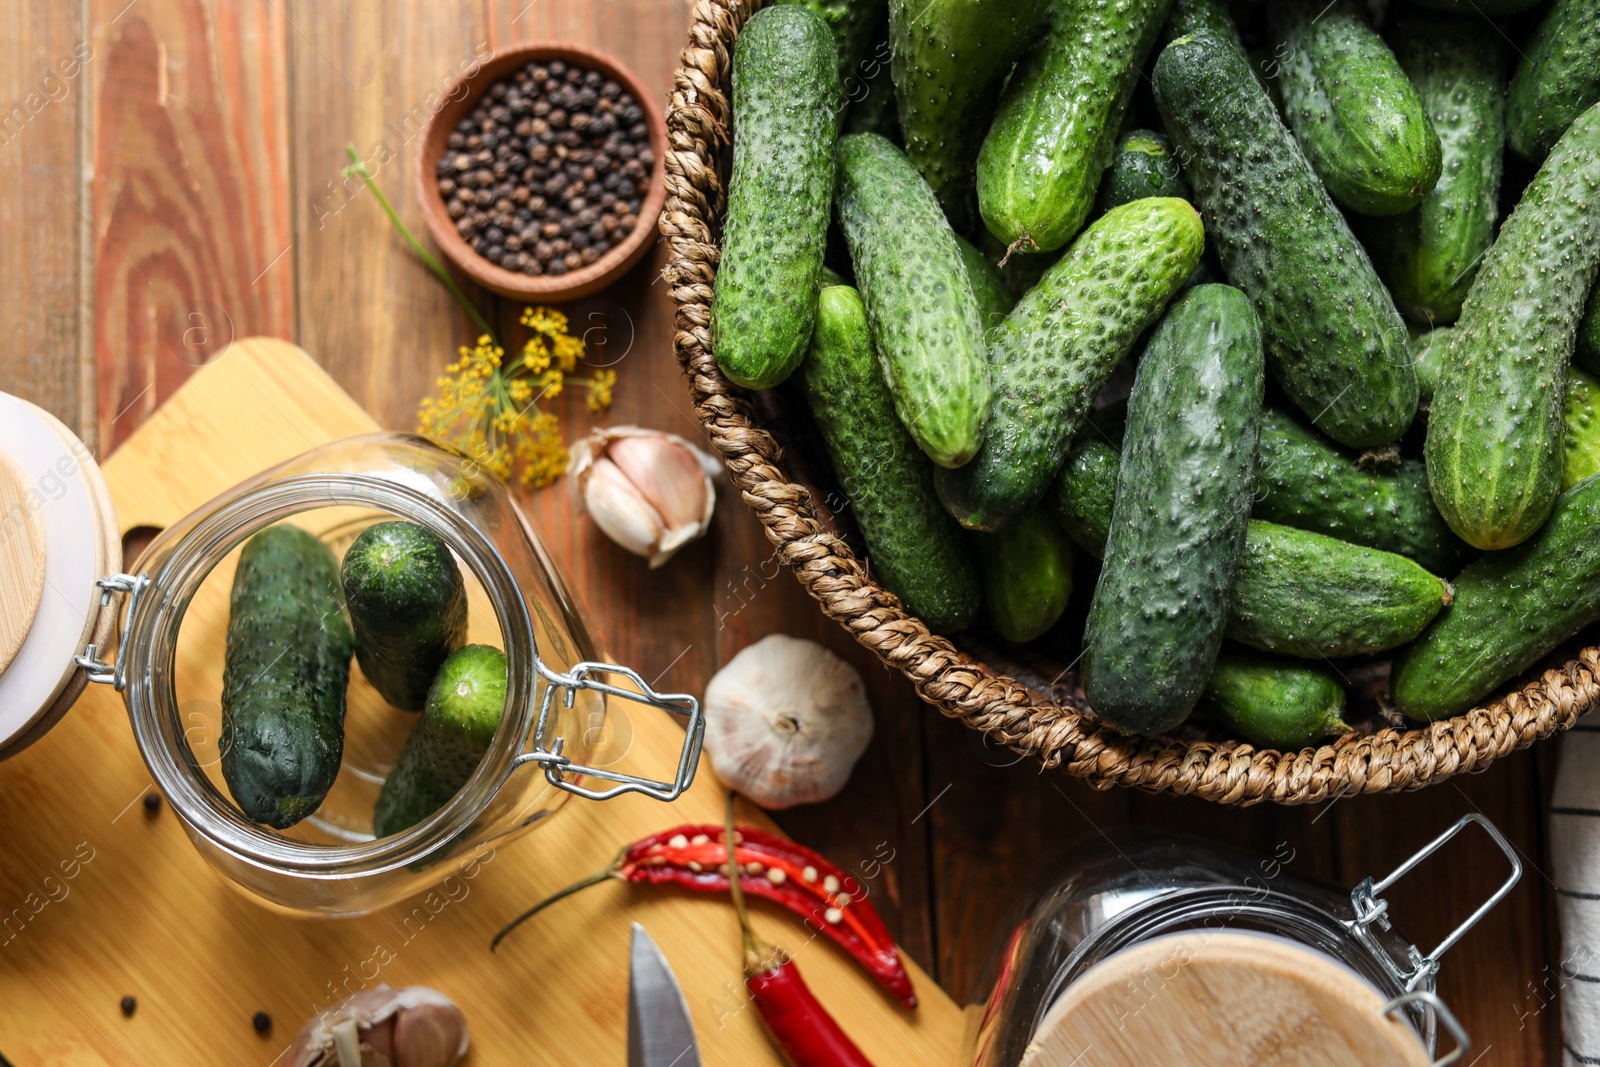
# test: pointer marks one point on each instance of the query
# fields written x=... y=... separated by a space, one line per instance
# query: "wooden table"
x=170 y=178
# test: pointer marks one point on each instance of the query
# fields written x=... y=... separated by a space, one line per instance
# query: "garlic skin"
x=382 y=1027
x=786 y=721
x=649 y=491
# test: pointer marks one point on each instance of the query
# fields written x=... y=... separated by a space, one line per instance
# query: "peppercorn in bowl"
x=540 y=173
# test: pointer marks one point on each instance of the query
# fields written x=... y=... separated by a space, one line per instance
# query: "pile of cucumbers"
x=397 y=603
x=1211 y=305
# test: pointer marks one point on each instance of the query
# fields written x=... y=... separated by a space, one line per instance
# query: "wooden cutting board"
x=99 y=899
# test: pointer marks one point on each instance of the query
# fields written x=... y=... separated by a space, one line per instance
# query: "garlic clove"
x=428 y=1036
x=382 y=1027
x=620 y=511
x=786 y=721
x=667 y=478
x=666 y=474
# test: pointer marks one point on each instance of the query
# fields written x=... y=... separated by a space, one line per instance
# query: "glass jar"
x=547 y=747
x=1123 y=895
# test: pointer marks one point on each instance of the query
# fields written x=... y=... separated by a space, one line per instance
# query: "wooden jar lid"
x=1221 y=999
x=52 y=490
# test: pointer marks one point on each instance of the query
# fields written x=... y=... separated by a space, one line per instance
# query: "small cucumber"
x=1057 y=124
x=786 y=102
x=1182 y=505
x=1304 y=594
x=1427 y=356
x=1494 y=427
x=915 y=548
x=284 y=679
x=1275 y=703
x=1558 y=78
x=1084 y=492
x=1581 y=440
x=1056 y=348
x=1200 y=16
x=1334 y=338
x=988 y=287
x=926 y=323
x=1303 y=480
x=447 y=744
x=853 y=24
x=1142 y=165
x=1027 y=575
x=408 y=607
x=1511 y=609
x=1430 y=255
x=949 y=60
x=1358 y=117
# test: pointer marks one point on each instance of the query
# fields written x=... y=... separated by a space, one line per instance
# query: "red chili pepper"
x=771 y=867
x=799 y=1024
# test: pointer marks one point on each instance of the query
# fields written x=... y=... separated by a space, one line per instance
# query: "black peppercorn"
x=261 y=1022
x=152 y=803
x=129 y=1005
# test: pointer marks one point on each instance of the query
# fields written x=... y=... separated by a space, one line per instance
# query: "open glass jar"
x=548 y=744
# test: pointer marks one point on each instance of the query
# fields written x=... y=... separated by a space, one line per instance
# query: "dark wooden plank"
x=191 y=193
x=45 y=87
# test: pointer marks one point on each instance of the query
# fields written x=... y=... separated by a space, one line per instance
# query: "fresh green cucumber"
x=1430 y=254
x=1305 y=594
x=1053 y=135
x=1494 y=427
x=408 y=607
x=1427 y=359
x=1083 y=493
x=447 y=744
x=1182 y=506
x=1511 y=609
x=1189 y=17
x=1027 y=575
x=1558 y=78
x=786 y=102
x=1334 y=338
x=1303 y=480
x=926 y=323
x=284 y=678
x=1275 y=703
x=916 y=549
x=1581 y=439
x=1142 y=165
x=1056 y=348
x=1358 y=117
x=988 y=287
x=853 y=24
x=950 y=59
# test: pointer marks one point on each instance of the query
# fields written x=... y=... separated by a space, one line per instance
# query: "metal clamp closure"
x=1431 y=1002
x=116 y=672
x=557 y=767
x=1372 y=910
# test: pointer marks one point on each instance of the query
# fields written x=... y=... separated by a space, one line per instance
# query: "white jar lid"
x=58 y=536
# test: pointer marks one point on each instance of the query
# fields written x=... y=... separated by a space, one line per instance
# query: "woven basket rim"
x=1058 y=734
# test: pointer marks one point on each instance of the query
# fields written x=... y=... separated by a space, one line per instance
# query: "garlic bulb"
x=648 y=491
x=382 y=1027
x=786 y=721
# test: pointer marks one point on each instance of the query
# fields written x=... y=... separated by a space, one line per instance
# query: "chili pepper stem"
x=585 y=882
x=752 y=945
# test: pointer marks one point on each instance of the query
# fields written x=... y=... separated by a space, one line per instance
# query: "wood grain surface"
x=215 y=130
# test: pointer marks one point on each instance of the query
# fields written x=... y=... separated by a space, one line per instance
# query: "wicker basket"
x=1051 y=723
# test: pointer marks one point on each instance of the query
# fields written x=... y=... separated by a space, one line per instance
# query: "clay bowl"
x=460 y=97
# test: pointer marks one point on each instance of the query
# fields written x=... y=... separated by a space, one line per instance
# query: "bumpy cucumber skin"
x=1334 y=338
x=1056 y=348
x=1581 y=439
x=1083 y=493
x=408 y=608
x=1494 y=426
x=926 y=323
x=1200 y=16
x=949 y=60
x=853 y=24
x=1182 y=506
x=283 y=684
x=1052 y=138
x=786 y=102
x=1430 y=254
x=1275 y=703
x=1027 y=575
x=1305 y=594
x=1427 y=354
x=1557 y=80
x=915 y=548
x=1511 y=608
x=1359 y=119
x=447 y=744
x=1303 y=480
x=1142 y=165
x=988 y=287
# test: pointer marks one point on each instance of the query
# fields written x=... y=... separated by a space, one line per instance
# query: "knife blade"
x=660 y=1033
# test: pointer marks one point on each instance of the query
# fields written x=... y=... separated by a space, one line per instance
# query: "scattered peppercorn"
x=129 y=1006
x=152 y=803
x=262 y=1022
x=548 y=173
